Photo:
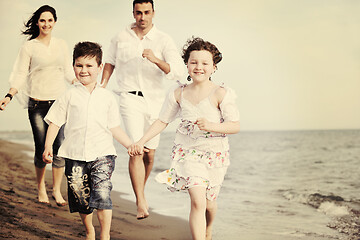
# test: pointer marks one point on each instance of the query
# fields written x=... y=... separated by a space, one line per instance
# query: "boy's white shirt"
x=88 y=118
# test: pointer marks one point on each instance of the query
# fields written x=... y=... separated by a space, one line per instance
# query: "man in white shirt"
x=142 y=56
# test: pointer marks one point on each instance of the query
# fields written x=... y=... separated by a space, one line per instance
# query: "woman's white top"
x=39 y=70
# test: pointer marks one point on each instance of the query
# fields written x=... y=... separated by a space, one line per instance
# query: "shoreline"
x=24 y=218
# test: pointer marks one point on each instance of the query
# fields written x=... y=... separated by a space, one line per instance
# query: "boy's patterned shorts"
x=89 y=184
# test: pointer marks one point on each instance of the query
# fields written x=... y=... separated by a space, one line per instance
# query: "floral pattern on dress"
x=175 y=182
x=190 y=129
x=211 y=159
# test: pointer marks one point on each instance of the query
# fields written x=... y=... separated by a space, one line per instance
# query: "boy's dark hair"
x=143 y=1
x=88 y=49
x=31 y=27
x=198 y=44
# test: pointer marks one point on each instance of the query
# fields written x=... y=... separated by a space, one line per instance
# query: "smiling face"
x=143 y=14
x=86 y=71
x=46 y=23
x=200 y=65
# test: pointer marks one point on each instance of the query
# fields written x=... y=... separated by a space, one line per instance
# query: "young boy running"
x=91 y=117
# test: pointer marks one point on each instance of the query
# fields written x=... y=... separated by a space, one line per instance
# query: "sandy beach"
x=23 y=218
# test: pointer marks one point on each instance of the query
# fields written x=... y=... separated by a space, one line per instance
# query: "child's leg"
x=104 y=216
x=79 y=193
x=100 y=199
x=211 y=209
x=87 y=221
x=197 y=213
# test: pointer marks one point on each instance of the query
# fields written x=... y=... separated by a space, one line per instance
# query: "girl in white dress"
x=200 y=155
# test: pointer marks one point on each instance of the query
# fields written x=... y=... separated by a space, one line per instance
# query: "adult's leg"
x=58 y=174
x=36 y=117
x=197 y=213
x=148 y=160
x=89 y=227
x=140 y=168
x=137 y=176
x=135 y=117
x=104 y=216
x=58 y=168
x=211 y=209
x=40 y=180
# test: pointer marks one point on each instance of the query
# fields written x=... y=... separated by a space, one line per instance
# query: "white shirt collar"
x=79 y=85
x=150 y=35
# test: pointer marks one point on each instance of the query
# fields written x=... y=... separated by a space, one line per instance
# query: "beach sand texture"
x=22 y=217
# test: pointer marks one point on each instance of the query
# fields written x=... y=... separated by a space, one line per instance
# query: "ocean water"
x=280 y=185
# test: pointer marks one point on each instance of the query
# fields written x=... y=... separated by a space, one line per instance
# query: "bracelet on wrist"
x=9 y=96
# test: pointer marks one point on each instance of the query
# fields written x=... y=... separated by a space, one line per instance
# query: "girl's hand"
x=203 y=124
x=136 y=149
x=48 y=155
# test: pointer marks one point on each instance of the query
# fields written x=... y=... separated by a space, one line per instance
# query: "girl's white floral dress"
x=199 y=158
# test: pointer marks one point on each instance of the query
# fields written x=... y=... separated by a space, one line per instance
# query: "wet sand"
x=21 y=217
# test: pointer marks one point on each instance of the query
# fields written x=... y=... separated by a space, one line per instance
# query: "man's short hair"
x=143 y=1
x=88 y=49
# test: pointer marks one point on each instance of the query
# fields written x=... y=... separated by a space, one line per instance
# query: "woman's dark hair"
x=198 y=44
x=30 y=26
x=88 y=49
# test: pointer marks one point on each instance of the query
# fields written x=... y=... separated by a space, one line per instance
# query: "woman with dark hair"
x=41 y=68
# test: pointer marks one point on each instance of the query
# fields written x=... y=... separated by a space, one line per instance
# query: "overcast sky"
x=294 y=64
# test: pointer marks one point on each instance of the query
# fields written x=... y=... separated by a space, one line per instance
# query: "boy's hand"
x=48 y=155
x=136 y=149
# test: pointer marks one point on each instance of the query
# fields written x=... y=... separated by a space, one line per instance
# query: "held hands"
x=149 y=54
x=203 y=124
x=48 y=155
x=136 y=149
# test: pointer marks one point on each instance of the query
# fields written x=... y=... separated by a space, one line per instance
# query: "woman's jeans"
x=37 y=111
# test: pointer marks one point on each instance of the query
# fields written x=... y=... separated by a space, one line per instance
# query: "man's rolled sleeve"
x=172 y=57
x=111 y=54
